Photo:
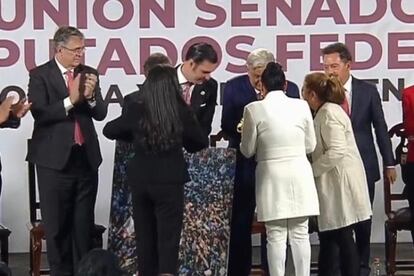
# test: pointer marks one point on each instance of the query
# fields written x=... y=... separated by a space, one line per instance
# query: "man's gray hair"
x=64 y=33
x=259 y=58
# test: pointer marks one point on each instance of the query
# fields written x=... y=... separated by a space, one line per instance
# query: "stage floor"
x=19 y=262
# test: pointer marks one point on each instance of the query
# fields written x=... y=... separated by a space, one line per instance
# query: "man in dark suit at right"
x=239 y=92
x=199 y=88
x=363 y=105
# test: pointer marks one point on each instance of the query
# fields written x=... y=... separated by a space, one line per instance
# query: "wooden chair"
x=397 y=219
x=257 y=227
x=262 y=268
x=36 y=230
x=215 y=138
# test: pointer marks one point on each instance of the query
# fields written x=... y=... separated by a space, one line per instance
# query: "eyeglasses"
x=78 y=50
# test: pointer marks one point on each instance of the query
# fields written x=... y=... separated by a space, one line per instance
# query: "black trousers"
x=330 y=242
x=158 y=218
x=244 y=203
x=67 y=203
x=363 y=237
x=363 y=241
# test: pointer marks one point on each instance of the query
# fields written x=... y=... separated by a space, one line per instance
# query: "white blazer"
x=279 y=130
x=339 y=171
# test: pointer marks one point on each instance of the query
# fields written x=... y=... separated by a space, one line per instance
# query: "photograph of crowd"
x=206 y=227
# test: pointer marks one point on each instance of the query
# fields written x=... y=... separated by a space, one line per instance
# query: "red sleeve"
x=408 y=110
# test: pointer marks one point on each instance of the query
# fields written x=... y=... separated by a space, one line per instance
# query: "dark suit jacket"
x=12 y=122
x=203 y=102
x=129 y=99
x=239 y=92
x=167 y=167
x=366 y=112
x=53 y=130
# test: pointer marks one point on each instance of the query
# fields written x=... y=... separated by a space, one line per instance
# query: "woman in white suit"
x=339 y=175
x=279 y=131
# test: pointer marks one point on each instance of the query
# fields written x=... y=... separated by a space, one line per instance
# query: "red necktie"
x=78 y=136
x=187 y=92
x=345 y=106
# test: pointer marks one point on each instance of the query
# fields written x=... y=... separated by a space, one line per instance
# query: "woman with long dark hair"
x=160 y=124
x=339 y=175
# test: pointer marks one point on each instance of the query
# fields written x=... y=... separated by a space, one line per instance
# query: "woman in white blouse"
x=279 y=131
x=339 y=175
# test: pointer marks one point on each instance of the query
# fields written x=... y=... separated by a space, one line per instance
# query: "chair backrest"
x=34 y=202
x=389 y=196
x=215 y=138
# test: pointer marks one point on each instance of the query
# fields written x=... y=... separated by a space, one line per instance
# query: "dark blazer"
x=12 y=122
x=203 y=102
x=366 y=112
x=129 y=99
x=53 y=131
x=166 y=167
x=239 y=92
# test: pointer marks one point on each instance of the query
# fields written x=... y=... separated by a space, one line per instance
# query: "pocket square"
x=204 y=104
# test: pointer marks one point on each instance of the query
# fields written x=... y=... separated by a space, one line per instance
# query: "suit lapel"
x=252 y=92
x=57 y=80
x=197 y=96
x=250 y=89
x=356 y=95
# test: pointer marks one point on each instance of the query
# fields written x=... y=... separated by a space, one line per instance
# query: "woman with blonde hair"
x=339 y=175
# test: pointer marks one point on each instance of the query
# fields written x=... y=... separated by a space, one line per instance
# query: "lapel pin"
x=202 y=93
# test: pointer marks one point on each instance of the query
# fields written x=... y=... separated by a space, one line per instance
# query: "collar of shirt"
x=181 y=79
x=348 y=84
x=62 y=69
x=258 y=94
x=348 y=90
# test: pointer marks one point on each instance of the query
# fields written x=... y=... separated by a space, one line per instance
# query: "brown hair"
x=340 y=48
x=154 y=60
x=327 y=88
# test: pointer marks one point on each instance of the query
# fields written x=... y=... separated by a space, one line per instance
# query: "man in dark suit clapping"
x=65 y=97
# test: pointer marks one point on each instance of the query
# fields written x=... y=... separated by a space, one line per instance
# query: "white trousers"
x=295 y=231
